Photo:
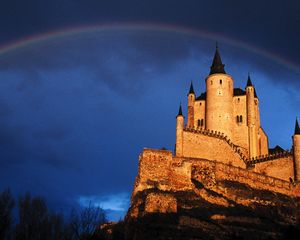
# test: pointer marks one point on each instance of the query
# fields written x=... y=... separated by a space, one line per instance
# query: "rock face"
x=186 y=198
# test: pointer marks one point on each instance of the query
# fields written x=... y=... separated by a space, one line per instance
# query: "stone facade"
x=160 y=170
x=222 y=142
x=223 y=124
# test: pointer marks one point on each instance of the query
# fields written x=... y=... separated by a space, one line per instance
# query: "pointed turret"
x=191 y=89
x=179 y=132
x=217 y=65
x=179 y=111
x=249 y=82
x=297 y=128
x=296 y=147
x=191 y=103
x=255 y=94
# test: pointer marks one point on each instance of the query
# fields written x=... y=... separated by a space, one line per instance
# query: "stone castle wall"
x=159 y=170
x=199 y=108
x=221 y=172
x=282 y=168
x=208 y=145
x=240 y=129
x=263 y=142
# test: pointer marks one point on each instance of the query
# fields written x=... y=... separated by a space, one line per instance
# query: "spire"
x=191 y=89
x=255 y=95
x=180 y=111
x=297 y=128
x=249 y=83
x=217 y=65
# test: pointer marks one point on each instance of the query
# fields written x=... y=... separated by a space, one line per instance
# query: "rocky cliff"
x=186 y=198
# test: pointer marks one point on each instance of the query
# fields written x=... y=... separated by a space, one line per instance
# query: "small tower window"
x=239 y=118
x=211 y=82
x=200 y=103
x=200 y=122
x=238 y=100
x=221 y=81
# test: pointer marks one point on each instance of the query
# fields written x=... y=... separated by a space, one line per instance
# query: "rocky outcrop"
x=186 y=198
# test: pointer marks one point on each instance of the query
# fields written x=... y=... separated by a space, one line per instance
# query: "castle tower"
x=251 y=119
x=296 y=144
x=191 y=102
x=219 y=98
x=179 y=133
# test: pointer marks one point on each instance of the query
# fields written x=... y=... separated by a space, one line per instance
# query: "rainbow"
x=73 y=31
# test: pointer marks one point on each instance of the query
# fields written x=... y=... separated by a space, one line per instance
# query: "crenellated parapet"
x=269 y=157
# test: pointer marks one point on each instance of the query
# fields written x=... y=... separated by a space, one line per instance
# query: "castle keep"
x=223 y=124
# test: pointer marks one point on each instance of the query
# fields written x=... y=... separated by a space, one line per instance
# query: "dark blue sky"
x=76 y=110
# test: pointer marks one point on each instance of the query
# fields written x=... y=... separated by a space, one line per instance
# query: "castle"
x=232 y=115
x=223 y=180
x=221 y=142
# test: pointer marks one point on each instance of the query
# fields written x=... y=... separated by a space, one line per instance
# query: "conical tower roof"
x=217 y=65
x=249 y=82
x=191 y=89
x=297 y=128
x=179 y=111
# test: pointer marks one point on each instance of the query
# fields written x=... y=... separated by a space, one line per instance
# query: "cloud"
x=115 y=205
x=115 y=202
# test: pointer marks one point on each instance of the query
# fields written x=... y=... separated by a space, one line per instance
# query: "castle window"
x=220 y=81
x=211 y=82
x=238 y=99
x=200 y=104
x=200 y=122
x=239 y=118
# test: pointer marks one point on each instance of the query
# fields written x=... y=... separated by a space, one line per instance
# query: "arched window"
x=220 y=81
x=199 y=123
x=202 y=122
x=241 y=118
x=211 y=82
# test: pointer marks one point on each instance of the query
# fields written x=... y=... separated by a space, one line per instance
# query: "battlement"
x=269 y=157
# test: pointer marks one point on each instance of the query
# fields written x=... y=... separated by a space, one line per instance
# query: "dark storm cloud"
x=270 y=25
x=124 y=66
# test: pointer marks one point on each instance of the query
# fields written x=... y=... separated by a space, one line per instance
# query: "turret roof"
x=249 y=83
x=255 y=95
x=276 y=149
x=179 y=111
x=191 y=89
x=217 y=65
x=202 y=96
x=297 y=128
x=238 y=92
